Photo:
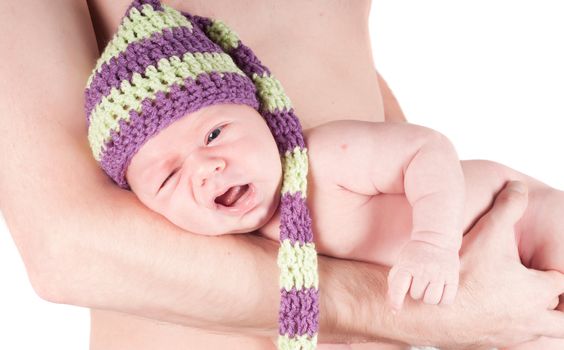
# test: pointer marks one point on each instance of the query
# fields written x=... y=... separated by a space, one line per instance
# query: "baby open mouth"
x=232 y=195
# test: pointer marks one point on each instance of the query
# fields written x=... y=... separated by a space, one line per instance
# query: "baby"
x=175 y=118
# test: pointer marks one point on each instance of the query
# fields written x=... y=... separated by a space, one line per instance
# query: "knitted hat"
x=162 y=65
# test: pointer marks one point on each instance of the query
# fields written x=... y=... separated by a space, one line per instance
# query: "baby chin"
x=254 y=220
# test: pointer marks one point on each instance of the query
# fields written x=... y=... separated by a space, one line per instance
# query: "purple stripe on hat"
x=156 y=114
x=138 y=4
x=139 y=55
x=295 y=222
x=246 y=59
x=202 y=22
x=299 y=312
x=285 y=128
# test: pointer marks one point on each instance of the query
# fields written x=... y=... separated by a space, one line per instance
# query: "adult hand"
x=513 y=304
x=500 y=302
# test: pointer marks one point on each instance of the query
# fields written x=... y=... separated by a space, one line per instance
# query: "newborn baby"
x=392 y=194
x=218 y=171
x=205 y=136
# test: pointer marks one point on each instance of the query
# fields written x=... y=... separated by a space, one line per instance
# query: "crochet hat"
x=162 y=65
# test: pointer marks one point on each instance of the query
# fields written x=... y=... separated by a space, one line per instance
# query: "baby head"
x=214 y=171
x=185 y=116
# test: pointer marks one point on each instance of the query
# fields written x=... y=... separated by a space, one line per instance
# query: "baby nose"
x=208 y=168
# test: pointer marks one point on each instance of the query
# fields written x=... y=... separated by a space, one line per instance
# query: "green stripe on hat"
x=138 y=26
x=271 y=93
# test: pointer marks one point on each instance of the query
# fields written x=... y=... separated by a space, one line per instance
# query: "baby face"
x=213 y=172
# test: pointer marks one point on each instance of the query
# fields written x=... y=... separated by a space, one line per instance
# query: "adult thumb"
x=496 y=229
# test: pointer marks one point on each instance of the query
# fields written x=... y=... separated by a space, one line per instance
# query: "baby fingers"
x=399 y=281
x=418 y=287
x=434 y=293
x=449 y=293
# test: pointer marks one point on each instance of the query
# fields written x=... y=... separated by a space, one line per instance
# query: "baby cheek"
x=188 y=220
x=191 y=217
x=149 y=202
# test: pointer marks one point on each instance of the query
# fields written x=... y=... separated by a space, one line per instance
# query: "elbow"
x=47 y=283
x=435 y=137
x=39 y=255
x=436 y=158
x=436 y=141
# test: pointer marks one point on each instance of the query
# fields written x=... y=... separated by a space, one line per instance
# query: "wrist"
x=339 y=301
x=354 y=309
x=447 y=241
x=353 y=306
x=334 y=305
x=421 y=324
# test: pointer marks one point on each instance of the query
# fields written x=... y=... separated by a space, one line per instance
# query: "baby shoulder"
x=328 y=146
x=331 y=136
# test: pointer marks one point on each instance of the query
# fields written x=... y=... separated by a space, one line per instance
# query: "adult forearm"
x=112 y=254
x=353 y=303
x=360 y=312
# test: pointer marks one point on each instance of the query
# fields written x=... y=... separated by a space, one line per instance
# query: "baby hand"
x=427 y=271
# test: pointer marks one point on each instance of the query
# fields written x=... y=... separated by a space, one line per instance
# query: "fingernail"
x=517 y=187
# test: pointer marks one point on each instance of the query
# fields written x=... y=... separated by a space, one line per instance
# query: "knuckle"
x=494 y=221
x=505 y=196
x=401 y=271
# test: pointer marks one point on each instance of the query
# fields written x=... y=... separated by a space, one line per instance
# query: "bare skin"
x=86 y=243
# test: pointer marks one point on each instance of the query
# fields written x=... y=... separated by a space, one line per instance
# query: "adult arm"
x=85 y=242
x=392 y=109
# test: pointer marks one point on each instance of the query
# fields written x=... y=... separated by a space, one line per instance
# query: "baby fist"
x=426 y=271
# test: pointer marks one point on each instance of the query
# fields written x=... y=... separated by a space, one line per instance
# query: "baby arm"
x=434 y=186
x=377 y=158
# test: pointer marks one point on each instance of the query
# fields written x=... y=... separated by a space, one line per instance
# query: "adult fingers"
x=553 y=286
x=497 y=225
x=509 y=205
x=554 y=304
x=559 y=303
x=552 y=324
x=555 y=280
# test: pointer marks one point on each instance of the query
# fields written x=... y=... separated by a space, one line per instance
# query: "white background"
x=488 y=74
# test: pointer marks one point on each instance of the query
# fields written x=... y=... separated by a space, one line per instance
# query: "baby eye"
x=168 y=178
x=214 y=134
